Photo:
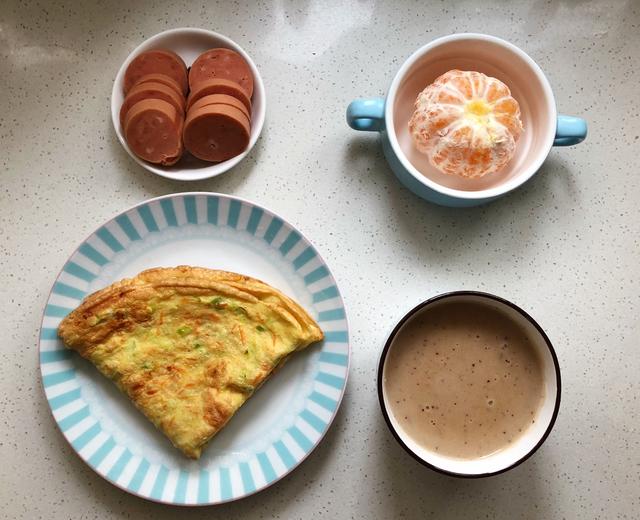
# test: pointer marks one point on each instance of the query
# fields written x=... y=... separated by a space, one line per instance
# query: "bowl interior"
x=531 y=438
x=189 y=43
x=494 y=58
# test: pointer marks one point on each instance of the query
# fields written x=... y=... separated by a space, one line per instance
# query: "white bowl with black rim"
x=521 y=448
x=189 y=43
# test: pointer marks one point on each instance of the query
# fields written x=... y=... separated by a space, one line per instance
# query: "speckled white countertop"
x=565 y=246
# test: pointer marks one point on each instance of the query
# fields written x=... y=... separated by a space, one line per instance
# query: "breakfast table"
x=564 y=246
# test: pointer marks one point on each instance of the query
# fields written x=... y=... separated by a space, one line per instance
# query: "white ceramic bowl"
x=531 y=439
x=189 y=43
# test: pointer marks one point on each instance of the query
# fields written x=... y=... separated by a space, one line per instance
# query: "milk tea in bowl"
x=469 y=384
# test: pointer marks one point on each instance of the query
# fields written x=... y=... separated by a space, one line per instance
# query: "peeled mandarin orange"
x=467 y=123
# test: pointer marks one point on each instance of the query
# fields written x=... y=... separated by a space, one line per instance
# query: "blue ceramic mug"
x=543 y=126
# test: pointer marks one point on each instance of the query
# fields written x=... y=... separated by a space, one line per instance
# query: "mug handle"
x=366 y=114
x=570 y=130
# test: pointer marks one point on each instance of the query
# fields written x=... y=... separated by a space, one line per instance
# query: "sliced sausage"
x=221 y=64
x=218 y=86
x=158 y=61
x=151 y=90
x=216 y=133
x=221 y=99
x=153 y=130
x=160 y=78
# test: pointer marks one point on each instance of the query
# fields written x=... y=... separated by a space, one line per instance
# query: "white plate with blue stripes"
x=276 y=429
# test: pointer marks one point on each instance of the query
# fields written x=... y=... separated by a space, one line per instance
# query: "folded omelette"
x=188 y=345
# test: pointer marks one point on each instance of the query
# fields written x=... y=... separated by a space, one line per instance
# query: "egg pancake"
x=188 y=345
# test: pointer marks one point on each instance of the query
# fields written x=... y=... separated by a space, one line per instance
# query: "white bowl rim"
x=214 y=170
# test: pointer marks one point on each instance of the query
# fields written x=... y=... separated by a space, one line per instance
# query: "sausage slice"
x=151 y=90
x=216 y=133
x=221 y=99
x=158 y=61
x=221 y=64
x=153 y=130
x=218 y=86
x=161 y=78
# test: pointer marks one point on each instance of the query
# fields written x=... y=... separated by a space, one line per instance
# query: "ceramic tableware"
x=522 y=447
x=189 y=43
x=544 y=128
x=276 y=429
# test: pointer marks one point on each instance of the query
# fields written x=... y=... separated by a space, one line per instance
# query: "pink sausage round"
x=153 y=130
x=216 y=133
x=222 y=64
x=151 y=90
x=158 y=61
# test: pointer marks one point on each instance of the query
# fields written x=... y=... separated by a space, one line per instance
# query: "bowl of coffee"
x=469 y=384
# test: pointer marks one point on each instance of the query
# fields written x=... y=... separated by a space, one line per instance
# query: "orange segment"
x=462 y=84
x=477 y=83
x=496 y=90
